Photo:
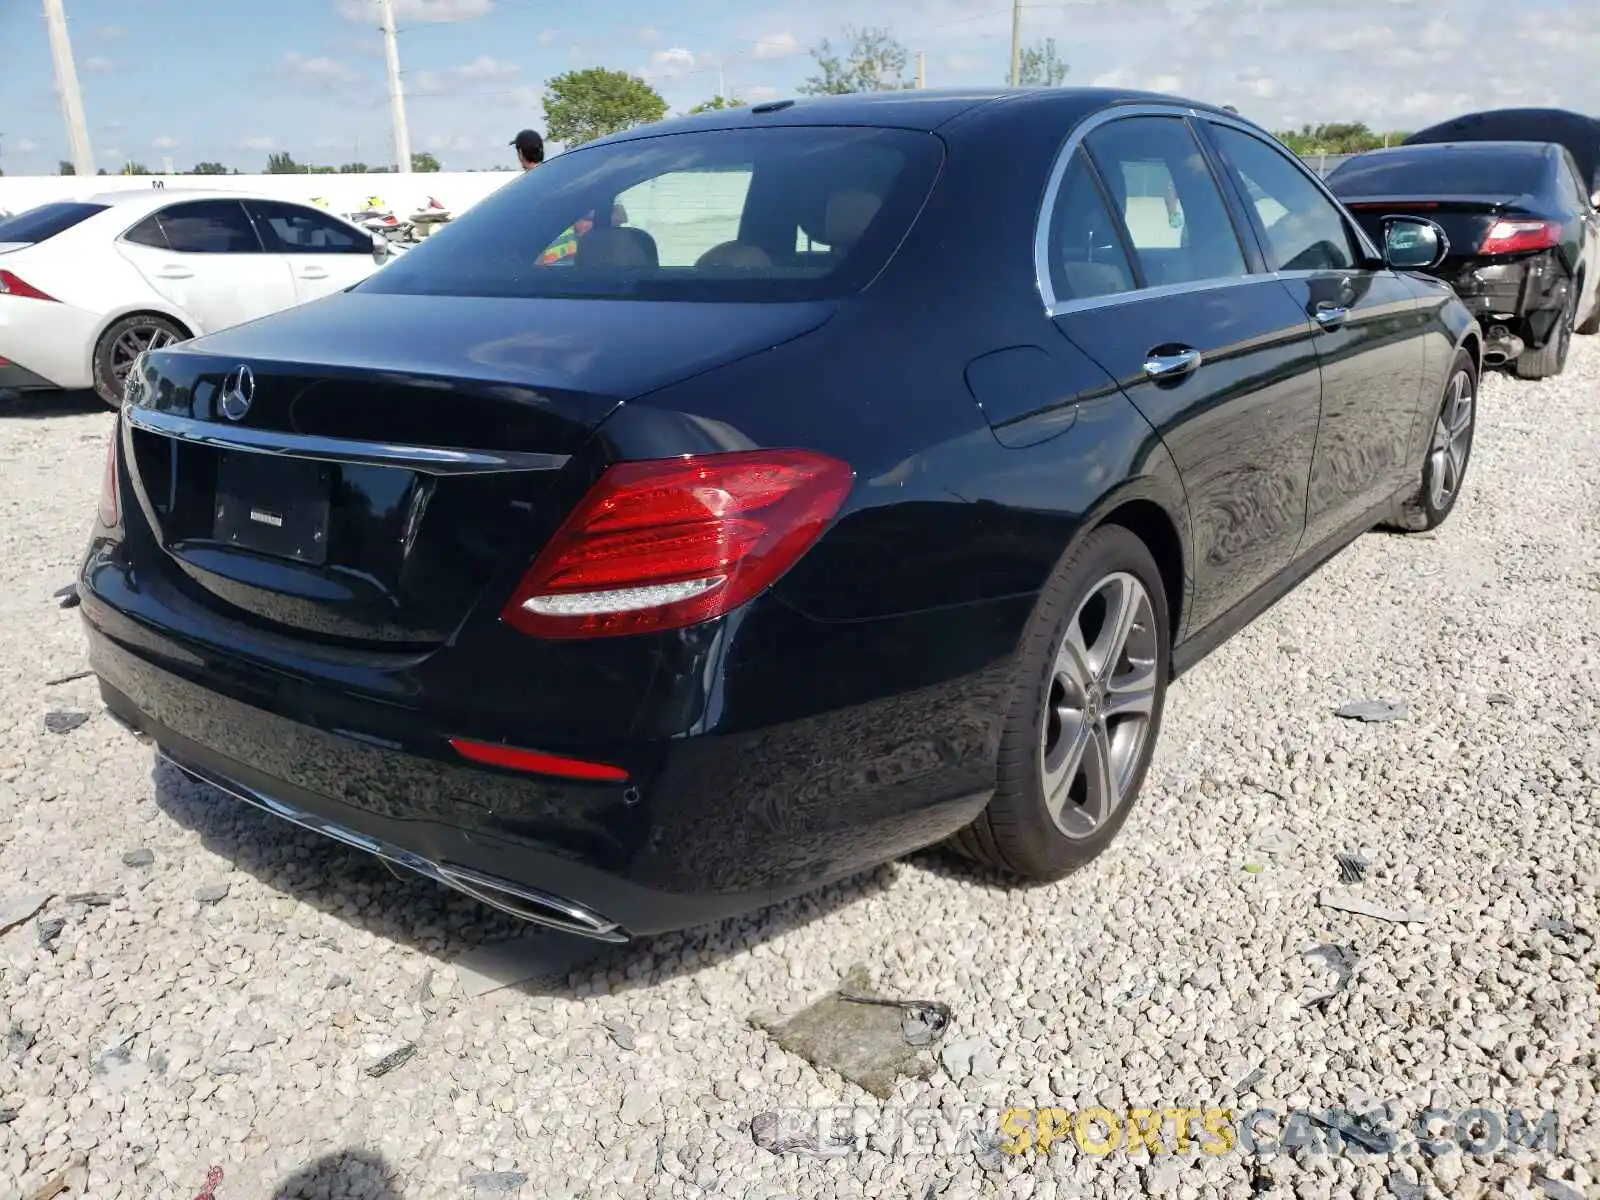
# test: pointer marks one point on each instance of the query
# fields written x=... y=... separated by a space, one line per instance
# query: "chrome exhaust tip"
x=525 y=903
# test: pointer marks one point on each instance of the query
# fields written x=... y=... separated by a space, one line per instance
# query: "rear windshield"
x=781 y=213
x=43 y=223
x=1441 y=173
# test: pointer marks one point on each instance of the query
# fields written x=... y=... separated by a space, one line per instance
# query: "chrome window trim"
x=429 y=460
x=1054 y=306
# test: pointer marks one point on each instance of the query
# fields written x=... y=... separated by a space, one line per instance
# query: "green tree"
x=357 y=168
x=209 y=168
x=423 y=161
x=281 y=162
x=1041 y=65
x=716 y=104
x=63 y=167
x=580 y=106
x=875 y=62
x=1338 y=138
x=134 y=168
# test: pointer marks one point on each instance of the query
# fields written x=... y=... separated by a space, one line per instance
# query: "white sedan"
x=86 y=285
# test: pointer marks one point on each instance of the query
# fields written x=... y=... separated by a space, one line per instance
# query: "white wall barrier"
x=401 y=194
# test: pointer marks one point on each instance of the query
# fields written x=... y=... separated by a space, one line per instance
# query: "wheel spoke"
x=1061 y=764
x=1122 y=614
x=1072 y=666
x=1100 y=795
x=1132 y=693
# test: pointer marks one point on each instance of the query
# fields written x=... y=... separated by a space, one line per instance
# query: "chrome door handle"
x=175 y=273
x=1328 y=317
x=1162 y=366
x=313 y=273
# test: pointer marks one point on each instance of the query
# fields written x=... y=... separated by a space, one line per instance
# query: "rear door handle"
x=175 y=273
x=1331 y=316
x=1165 y=366
x=313 y=273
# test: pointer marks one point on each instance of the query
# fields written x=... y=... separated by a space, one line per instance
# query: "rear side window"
x=44 y=222
x=1086 y=254
x=766 y=214
x=148 y=232
x=209 y=227
x=1303 y=228
x=1168 y=199
x=1458 y=171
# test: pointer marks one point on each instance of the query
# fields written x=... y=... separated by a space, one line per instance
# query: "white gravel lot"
x=159 y=1037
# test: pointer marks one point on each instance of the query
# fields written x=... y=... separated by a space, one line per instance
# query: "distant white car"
x=87 y=285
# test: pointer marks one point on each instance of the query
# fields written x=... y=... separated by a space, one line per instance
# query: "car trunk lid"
x=362 y=468
x=1464 y=219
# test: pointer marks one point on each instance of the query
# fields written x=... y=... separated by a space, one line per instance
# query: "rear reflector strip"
x=536 y=763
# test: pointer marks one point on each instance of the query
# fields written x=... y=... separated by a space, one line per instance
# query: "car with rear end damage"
x=781 y=528
x=1524 y=236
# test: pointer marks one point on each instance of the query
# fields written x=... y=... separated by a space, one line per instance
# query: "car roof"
x=1508 y=149
x=924 y=109
x=155 y=197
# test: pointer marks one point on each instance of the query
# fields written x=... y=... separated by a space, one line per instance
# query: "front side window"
x=209 y=227
x=1163 y=189
x=763 y=214
x=1303 y=228
x=299 y=230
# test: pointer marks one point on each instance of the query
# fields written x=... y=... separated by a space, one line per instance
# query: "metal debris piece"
x=1366 y=908
x=922 y=1023
x=1249 y=1081
x=19 y=1041
x=338 y=981
x=1559 y=928
x=1341 y=960
x=1373 y=711
x=986 y=1148
x=864 y=1043
x=15 y=912
x=66 y=597
x=498 y=1181
x=1351 y=1131
x=49 y=930
x=93 y=899
x=62 y=721
x=73 y=678
x=769 y=1132
x=1352 y=867
x=138 y=858
x=621 y=1033
x=392 y=1060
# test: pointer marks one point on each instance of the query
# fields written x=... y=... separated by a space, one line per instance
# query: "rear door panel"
x=323 y=255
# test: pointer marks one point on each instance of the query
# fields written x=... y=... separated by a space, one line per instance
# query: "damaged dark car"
x=1523 y=231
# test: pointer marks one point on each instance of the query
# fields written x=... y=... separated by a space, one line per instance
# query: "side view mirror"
x=1594 y=198
x=380 y=247
x=1413 y=244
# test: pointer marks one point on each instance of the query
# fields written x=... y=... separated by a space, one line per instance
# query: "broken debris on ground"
x=1373 y=711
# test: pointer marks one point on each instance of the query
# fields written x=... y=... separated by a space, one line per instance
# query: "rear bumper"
x=50 y=344
x=1525 y=294
x=723 y=824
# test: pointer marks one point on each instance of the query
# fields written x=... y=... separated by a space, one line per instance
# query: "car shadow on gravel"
x=366 y=894
x=34 y=406
x=352 y=1174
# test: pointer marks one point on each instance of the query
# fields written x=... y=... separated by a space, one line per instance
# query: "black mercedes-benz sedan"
x=1524 y=237
x=732 y=505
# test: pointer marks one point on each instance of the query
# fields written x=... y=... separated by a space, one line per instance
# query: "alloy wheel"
x=1102 y=697
x=1452 y=437
x=132 y=342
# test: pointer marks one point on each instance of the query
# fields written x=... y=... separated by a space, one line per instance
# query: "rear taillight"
x=11 y=285
x=110 y=509
x=664 y=544
x=1516 y=237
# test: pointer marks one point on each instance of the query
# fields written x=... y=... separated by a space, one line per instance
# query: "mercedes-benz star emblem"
x=238 y=390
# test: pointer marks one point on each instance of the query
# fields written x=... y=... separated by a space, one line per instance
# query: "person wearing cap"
x=530 y=148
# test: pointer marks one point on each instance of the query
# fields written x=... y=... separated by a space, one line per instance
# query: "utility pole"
x=67 y=86
x=397 y=97
x=1016 y=43
x=922 y=74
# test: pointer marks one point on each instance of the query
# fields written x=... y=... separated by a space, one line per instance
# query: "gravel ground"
x=223 y=1006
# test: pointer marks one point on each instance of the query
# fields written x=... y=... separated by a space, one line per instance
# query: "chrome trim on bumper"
x=430 y=460
x=526 y=903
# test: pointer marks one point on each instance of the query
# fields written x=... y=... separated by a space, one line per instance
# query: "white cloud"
x=430 y=11
x=319 y=70
x=110 y=33
x=778 y=45
x=164 y=143
x=446 y=80
x=1163 y=83
x=98 y=64
x=547 y=37
x=668 y=64
x=25 y=146
x=112 y=152
x=757 y=94
x=259 y=142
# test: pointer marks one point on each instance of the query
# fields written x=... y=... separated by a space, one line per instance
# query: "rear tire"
x=1592 y=325
x=1444 y=462
x=1085 y=712
x=122 y=342
x=1550 y=359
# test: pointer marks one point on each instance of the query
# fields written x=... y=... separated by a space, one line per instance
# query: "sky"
x=231 y=81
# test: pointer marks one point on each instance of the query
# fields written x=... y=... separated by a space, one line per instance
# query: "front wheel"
x=1444 y=466
x=1085 y=713
x=121 y=344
